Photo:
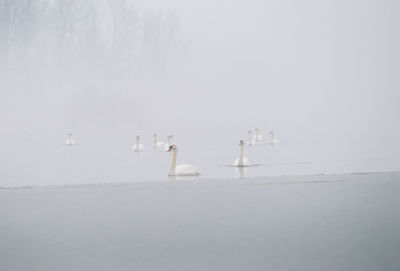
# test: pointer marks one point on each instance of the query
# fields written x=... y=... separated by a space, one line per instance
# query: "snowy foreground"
x=326 y=222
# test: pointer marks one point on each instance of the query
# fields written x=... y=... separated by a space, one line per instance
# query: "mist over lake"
x=284 y=114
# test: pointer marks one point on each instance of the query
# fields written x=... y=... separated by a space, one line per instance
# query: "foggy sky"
x=310 y=70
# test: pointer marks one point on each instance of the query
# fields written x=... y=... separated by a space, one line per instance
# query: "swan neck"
x=241 y=154
x=155 y=139
x=69 y=141
x=173 y=160
x=137 y=141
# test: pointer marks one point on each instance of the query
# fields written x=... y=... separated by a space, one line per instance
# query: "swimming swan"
x=273 y=139
x=138 y=147
x=257 y=136
x=251 y=141
x=169 y=142
x=241 y=161
x=181 y=170
x=157 y=144
x=70 y=141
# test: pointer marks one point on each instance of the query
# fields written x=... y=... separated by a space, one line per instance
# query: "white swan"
x=241 y=161
x=181 y=170
x=169 y=142
x=273 y=139
x=138 y=147
x=251 y=140
x=70 y=141
x=257 y=136
x=157 y=144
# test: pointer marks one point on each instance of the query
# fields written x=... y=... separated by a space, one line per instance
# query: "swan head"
x=171 y=148
x=70 y=134
x=257 y=130
x=271 y=132
x=154 y=135
x=137 y=136
x=241 y=142
x=250 y=132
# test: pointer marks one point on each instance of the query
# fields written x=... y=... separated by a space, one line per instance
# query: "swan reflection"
x=241 y=172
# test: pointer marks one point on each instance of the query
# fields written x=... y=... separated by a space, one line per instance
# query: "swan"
x=157 y=144
x=241 y=161
x=181 y=170
x=169 y=142
x=251 y=140
x=70 y=141
x=138 y=147
x=273 y=139
x=257 y=136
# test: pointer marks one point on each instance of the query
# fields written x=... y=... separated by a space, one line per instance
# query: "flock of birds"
x=254 y=138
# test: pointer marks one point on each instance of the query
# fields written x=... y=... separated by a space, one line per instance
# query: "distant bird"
x=169 y=142
x=251 y=141
x=257 y=136
x=138 y=147
x=70 y=141
x=181 y=170
x=241 y=161
x=157 y=144
x=273 y=139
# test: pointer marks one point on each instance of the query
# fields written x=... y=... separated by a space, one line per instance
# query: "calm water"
x=30 y=160
x=329 y=222
x=279 y=215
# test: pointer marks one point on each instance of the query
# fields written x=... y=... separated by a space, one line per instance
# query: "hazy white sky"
x=313 y=68
x=318 y=65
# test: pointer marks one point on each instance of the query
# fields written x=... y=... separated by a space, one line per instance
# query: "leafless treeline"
x=91 y=38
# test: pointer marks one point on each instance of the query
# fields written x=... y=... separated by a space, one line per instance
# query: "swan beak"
x=169 y=149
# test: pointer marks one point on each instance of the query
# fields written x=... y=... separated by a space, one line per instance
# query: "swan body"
x=180 y=170
x=70 y=141
x=157 y=144
x=241 y=161
x=138 y=147
x=251 y=141
x=185 y=170
x=273 y=139
x=169 y=142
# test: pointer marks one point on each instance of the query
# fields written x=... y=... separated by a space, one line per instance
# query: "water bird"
x=257 y=136
x=273 y=139
x=180 y=170
x=241 y=161
x=70 y=141
x=251 y=141
x=157 y=144
x=138 y=147
x=169 y=142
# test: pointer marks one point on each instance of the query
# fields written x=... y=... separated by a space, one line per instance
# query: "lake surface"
x=325 y=222
x=305 y=205
x=35 y=160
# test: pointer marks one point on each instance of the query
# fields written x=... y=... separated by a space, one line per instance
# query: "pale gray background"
x=322 y=74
